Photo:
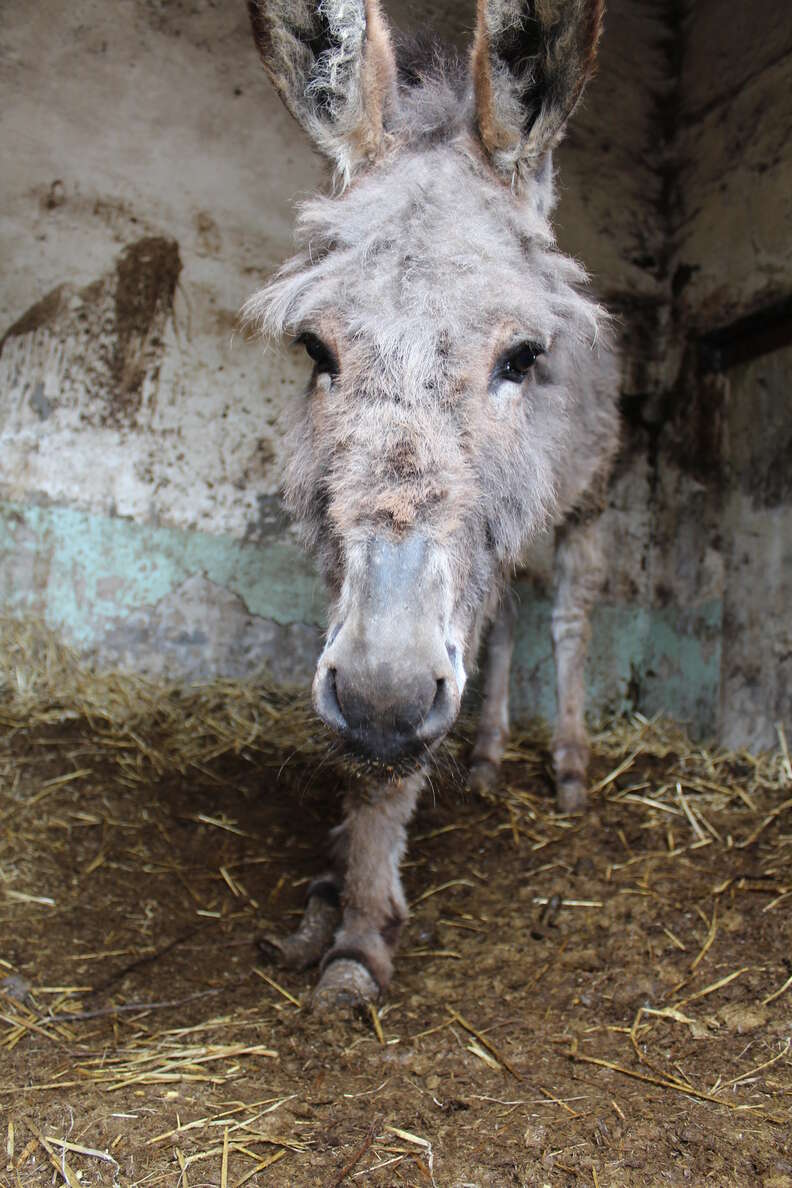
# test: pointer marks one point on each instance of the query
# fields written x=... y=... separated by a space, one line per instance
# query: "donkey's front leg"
x=578 y=571
x=493 y=727
x=357 y=967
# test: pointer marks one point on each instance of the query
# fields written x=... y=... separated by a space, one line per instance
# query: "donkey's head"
x=452 y=411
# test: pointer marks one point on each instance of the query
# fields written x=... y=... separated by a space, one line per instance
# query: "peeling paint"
x=84 y=571
x=649 y=658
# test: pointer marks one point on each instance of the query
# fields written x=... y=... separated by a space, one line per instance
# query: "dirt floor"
x=605 y=1001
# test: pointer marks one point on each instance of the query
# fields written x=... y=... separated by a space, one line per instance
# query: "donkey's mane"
x=435 y=95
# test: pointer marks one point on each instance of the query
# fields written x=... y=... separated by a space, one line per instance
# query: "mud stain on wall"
x=146 y=276
x=105 y=338
x=41 y=313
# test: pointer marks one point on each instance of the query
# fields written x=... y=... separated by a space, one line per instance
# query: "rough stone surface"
x=734 y=152
x=756 y=681
x=200 y=629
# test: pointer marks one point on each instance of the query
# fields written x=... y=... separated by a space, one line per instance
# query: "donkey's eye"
x=516 y=365
x=324 y=360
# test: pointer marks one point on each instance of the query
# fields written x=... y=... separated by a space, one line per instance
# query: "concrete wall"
x=148 y=185
x=730 y=430
x=733 y=189
x=756 y=679
x=149 y=180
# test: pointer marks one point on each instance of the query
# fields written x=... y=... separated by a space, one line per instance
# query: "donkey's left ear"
x=333 y=64
x=531 y=61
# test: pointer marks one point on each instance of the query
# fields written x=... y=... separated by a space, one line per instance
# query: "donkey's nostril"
x=326 y=701
x=442 y=713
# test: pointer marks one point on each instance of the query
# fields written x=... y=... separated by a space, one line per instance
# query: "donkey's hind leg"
x=493 y=727
x=578 y=573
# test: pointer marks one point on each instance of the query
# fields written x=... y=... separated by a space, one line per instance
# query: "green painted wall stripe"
x=656 y=659
x=79 y=571
x=74 y=567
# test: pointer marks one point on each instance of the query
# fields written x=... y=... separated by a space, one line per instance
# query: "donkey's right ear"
x=334 y=67
x=531 y=61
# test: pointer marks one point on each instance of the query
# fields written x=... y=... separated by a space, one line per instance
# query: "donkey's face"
x=444 y=424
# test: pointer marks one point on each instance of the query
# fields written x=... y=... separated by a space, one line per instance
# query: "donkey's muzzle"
x=386 y=682
x=397 y=717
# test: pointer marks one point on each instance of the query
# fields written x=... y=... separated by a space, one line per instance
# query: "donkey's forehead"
x=428 y=246
x=431 y=237
x=441 y=199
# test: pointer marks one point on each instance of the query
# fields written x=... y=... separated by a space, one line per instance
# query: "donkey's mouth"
x=362 y=761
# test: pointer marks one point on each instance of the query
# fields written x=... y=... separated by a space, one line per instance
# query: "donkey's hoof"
x=275 y=950
x=571 y=795
x=345 y=985
x=308 y=945
x=290 y=952
x=482 y=777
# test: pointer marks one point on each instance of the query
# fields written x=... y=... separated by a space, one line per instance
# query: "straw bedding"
x=602 y=1001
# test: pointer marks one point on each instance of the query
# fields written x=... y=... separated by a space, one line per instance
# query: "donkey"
x=462 y=401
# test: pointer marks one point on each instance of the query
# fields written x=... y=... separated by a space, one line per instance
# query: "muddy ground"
x=635 y=1035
